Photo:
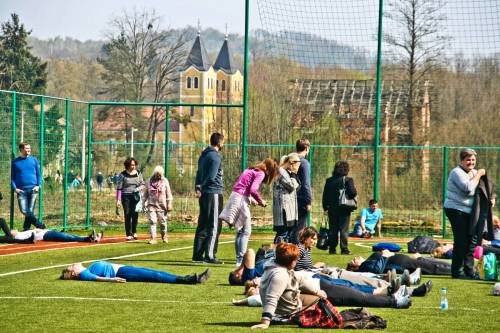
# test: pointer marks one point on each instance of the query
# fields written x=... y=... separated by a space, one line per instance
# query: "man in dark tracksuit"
x=209 y=187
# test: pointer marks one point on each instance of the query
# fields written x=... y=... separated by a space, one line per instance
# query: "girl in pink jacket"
x=245 y=192
x=157 y=201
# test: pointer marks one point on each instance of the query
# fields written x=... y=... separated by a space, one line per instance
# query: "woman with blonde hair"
x=285 y=208
x=245 y=192
x=157 y=202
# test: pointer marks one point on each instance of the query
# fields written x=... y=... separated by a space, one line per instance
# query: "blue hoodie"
x=25 y=173
x=209 y=174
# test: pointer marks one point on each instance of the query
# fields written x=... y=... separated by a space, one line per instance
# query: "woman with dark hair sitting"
x=338 y=216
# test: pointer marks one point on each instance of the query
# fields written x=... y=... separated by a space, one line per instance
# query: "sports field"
x=33 y=299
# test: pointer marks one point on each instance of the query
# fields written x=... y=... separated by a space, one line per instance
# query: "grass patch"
x=39 y=301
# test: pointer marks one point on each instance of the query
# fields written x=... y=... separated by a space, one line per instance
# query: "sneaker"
x=402 y=298
x=92 y=236
x=238 y=264
x=129 y=238
x=416 y=276
x=98 y=238
x=346 y=252
x=422 y=290
x=164 y=239
x=135 y=236
x=152 y=241
x=405 y=278
x=203 y=276
x=213 y=261
x=197 y=261
x=395 y=285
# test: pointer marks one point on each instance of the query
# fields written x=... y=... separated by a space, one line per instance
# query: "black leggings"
x=131 y=217
x=462 y=261
x=346 y=296
x=339 y=224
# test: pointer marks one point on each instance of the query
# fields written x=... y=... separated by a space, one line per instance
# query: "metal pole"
x=22 y=125
x=65 y=171
x=42 y=153
x=245 y=90
x=166 y=140
x=310 y=159
x=443 y=190
x=131 y=142
x=83 y=149
x=89 y=163
x=13 y=153
x=376 y=144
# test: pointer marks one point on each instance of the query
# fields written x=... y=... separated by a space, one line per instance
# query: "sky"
x=87 y=19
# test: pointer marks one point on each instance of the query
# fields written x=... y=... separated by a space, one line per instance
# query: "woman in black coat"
x=338 y=217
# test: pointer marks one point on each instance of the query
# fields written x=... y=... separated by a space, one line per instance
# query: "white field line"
x=107 y=299
x=63 y=247
x=51 y=248
x=110 y=258
x=103 y=299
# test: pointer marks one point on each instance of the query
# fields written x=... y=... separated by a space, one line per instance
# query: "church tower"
x=197 y=85
x=229 y=88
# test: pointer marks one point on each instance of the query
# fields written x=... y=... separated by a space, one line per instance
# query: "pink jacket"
x=249 y=182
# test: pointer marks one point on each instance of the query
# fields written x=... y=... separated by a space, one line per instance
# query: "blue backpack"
x=386 y=246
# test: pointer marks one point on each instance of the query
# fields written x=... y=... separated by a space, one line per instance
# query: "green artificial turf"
x=38 y=301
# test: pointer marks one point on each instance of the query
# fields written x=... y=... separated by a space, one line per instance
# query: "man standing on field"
x=208 y=188
x=25 y=181
x=304 y=193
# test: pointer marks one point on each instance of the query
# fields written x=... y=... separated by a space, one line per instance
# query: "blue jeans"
x=56 y=236
x=346 y=283
x=26 y=201
x=140 y=274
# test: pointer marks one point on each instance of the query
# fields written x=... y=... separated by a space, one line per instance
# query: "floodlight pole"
x=245 y=91
x=376 y=144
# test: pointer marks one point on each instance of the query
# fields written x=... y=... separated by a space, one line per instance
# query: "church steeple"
x=225 y=58
x=198 y=56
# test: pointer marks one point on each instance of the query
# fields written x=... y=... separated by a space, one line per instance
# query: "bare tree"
x=415 y=38
x=142 y=63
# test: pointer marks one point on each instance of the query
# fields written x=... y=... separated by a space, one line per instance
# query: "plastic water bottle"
x=444 y=299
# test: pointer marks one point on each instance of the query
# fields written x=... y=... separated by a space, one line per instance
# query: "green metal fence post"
x=311 y=159
x=245 y=91
x=89 y=164
x=65 y=171
x=377 y=103
x=445 y=183
x=167 y=134
x=42 y=153
x=13 y=153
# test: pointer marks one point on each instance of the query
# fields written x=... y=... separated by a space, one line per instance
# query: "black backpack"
x=361 y=318
x=422 y=244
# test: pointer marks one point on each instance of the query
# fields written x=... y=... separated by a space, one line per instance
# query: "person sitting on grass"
x=370 y=218
x=104 y=271
x=56 y=236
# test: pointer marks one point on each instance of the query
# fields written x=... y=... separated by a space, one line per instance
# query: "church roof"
x=225 y=59
x=198 y=56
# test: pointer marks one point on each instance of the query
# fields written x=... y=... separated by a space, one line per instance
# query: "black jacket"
x=331 y=193
x=482 y=212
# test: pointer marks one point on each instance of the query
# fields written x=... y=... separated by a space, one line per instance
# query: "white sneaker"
x=152 y=241
x=129 y=238
x=416 y=276
x=98 y=238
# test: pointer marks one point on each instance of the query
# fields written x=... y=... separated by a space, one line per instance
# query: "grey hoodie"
x=280 y=290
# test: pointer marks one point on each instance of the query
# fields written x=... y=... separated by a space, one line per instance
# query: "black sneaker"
x=346 y=252
x=203 y=276
x=213 y=261
x=92 y=236
x=197 y=260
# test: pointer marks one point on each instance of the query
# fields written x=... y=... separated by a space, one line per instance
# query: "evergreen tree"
x=19 y=69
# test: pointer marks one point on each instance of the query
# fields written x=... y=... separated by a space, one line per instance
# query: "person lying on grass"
x=382 y=261
x=56 y=236
x=364 y=282
x=104 y=271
